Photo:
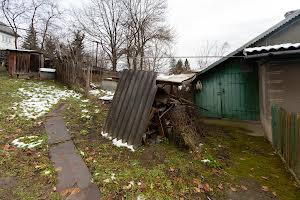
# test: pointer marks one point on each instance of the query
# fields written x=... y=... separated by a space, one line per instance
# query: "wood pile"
x=173 y=117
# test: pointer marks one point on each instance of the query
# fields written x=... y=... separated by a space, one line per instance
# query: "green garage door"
x=230 y=92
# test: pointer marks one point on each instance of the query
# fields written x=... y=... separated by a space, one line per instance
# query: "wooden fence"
x=70 y=74
x=286 y=137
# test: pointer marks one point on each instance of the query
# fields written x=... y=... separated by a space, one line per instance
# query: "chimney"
x=290 y=13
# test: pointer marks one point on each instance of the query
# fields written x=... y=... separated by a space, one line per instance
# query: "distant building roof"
x=22 y=50
x=6 y=29
x=176 y=78
x=289 y=17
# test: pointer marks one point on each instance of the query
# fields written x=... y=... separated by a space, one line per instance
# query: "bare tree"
x=145 y=24
x=50 y=14
x=157 y=56
x=14 y=12
x=211 y=52
x=102 y=21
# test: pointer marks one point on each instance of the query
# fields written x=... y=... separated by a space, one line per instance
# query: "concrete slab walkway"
x=247 y=127
x=74 y=178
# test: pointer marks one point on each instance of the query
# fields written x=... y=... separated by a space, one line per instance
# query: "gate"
x=230 y=92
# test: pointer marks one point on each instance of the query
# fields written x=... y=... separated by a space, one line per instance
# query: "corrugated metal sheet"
x=176 y=78
x=128 y=116
x=279 y=47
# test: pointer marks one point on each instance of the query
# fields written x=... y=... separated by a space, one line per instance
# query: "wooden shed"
x=23 y=62
x=246 y=83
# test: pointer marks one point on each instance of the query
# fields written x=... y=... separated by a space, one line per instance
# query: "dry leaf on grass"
x=265 y=189
x=197 y=190
x=244 y=188
x=207 y=188
x=233 y=189
x=220 y=186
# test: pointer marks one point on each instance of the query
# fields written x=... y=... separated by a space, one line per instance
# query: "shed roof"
x=285 y=21
x=22 y=50
x=6 y=29
x=176 y=78
x=272 y=48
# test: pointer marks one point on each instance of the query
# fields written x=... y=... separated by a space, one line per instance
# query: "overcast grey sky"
x=232 y=21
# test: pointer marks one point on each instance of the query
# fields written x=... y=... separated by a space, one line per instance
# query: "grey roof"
x=6 y=29
x=289 y=18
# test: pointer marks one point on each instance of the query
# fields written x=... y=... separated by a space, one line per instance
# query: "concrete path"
x=74 y=178
x=247 y=127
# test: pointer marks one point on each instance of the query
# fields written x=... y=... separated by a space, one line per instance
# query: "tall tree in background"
x=14 y=12
x=31 y=41
x=51 y=13
x=179 y=68
x=77 y=46
x=186 y=65
x=211 y=52
x=145 y=25
x=50 y=47
x=102 y=20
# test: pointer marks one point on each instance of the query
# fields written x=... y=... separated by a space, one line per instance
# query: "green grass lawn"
x=24 y=173
x=239 y=164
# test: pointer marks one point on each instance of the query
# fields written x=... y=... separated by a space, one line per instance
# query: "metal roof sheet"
x=251 y=42
x=175 y=78
x=128 y=116
x=287 y=46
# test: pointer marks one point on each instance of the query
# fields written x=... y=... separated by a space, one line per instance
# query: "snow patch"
x=117 y=142
x=39 y=98
x=35 y=141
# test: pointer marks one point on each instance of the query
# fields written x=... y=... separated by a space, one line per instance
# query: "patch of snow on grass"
x=103 y=94
x=117 y=142
x=21 y=142
x=205 y=161
x=39 y=98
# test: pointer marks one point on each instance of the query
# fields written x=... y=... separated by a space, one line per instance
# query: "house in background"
x=245 y=84
x=7 y=37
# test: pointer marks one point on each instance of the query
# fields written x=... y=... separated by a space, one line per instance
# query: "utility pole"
x=97 y=47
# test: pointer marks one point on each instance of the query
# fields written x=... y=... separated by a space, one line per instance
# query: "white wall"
x=7 y=41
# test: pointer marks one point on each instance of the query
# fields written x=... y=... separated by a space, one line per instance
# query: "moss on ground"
x=24 y=173
x=165 y=172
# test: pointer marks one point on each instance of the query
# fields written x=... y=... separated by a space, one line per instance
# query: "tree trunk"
x=16 y=40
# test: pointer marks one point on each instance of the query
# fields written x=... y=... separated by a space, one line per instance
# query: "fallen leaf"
x=197 y=190
x=265 y=189
x=58 y=169
x=242 y=159
x=233 y=189
x=207 y=188
x=274 y=193
x=220 y=186
x=8 y=147
x=18 y=130
x=244 y=188
x=196 y=181
x=263 y=177
x=70 y=191
x=89 y=159
x=171 y=169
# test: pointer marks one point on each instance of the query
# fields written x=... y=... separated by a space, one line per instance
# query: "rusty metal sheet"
x=128 y=116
